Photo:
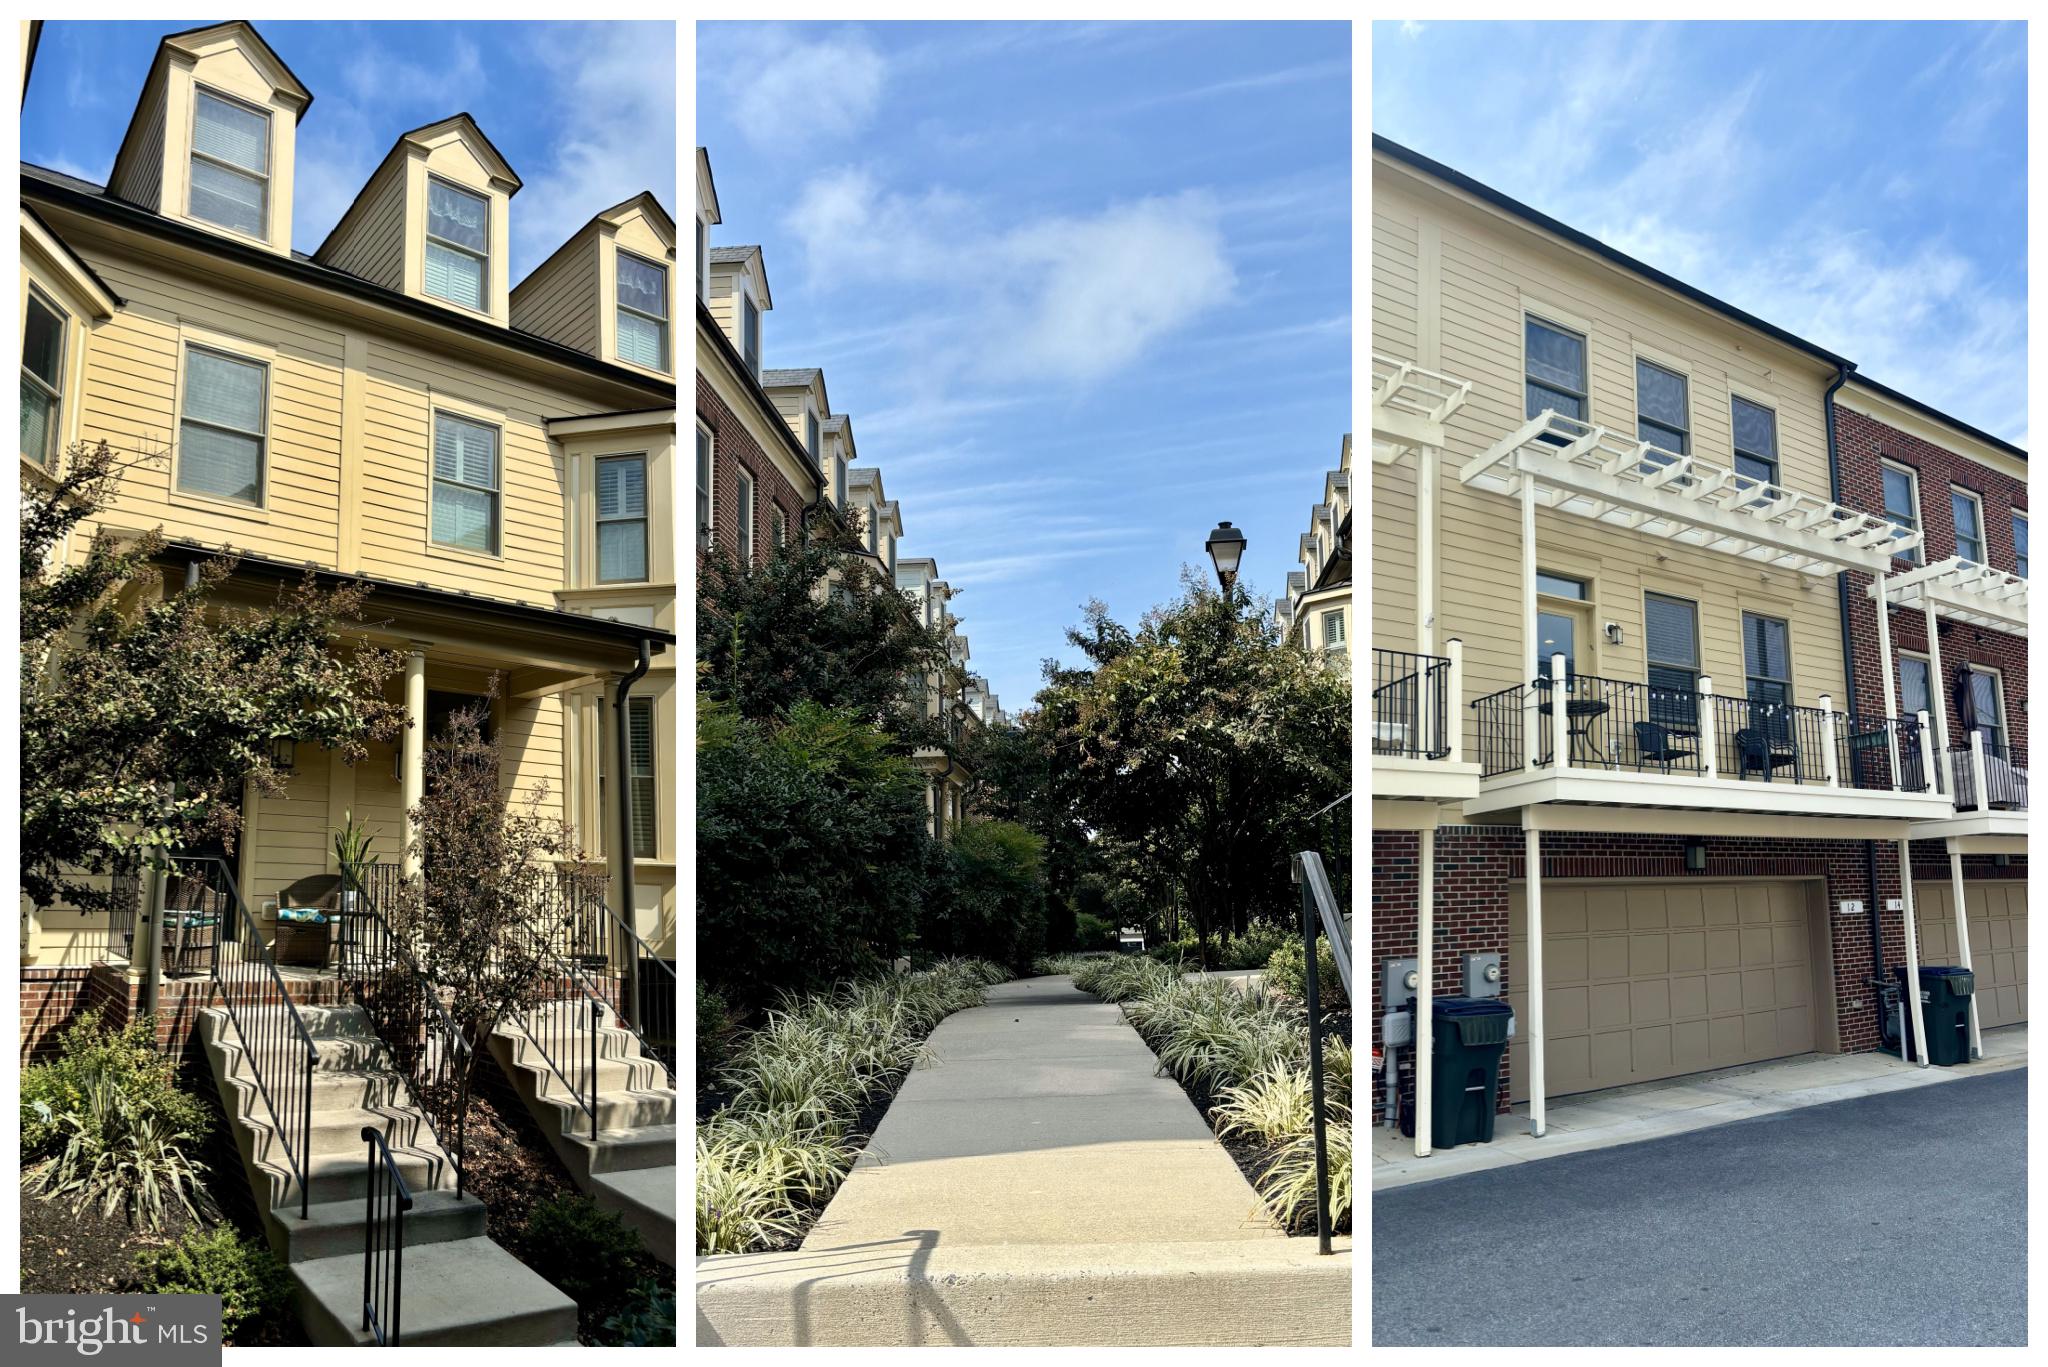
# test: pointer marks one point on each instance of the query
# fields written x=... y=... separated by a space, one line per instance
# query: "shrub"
x=253 y=1286
x=586 y=1251
x=1093 y=932
x=647 y=1320
x=118 y=1141
x=714 y=1029
x=989 y=899
x=1253 y=948
x=1284 y=973
x=128 y=1058
x=1288 y=1184
x=1272 y=1106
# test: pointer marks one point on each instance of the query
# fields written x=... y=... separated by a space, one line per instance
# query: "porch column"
x=1425 y=551
x=1945 y=780
x=1530 y=716
x=1890 y=689
x=414 y=782
x=1532 y=858
x=1955 y=885
x=1425 y=984
x=1912 y=951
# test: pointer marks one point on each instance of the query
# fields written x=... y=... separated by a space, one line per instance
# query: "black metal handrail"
x=643 y=987
x=2005 y=783
x=1319 y=912
x=552 y=1030
x=386 y=980
x=260 y=1007
x=1650 y=728
x=384 y=1209
x=1410 y=704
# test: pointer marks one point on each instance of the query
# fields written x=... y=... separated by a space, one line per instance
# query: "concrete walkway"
x=1037 y=1119
x=1651 y=1110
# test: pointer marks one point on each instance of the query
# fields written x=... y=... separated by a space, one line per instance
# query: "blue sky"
x=1083 y=289
x=1863 y=185
x=586 y=113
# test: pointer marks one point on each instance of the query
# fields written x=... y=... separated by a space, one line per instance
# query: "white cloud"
x=1069 y=299
x=785 y=90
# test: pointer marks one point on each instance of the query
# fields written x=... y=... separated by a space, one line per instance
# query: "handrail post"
x=1827 y=741
x=1309 y=917
x=1708 y=747
x=596 y=1023
x=1452 y=712
x=1560 y=718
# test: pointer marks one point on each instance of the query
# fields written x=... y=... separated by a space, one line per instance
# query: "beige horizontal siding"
x=560 y=301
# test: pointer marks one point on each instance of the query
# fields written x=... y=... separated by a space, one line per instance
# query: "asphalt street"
x=1891 y=1219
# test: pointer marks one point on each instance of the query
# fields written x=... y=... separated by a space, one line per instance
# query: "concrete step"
x=345 y=1175
x=645 y=1198
x=465 y=1293
x=339 y=1129
x=613 y=1075
x=334 y=1229
x=650 y=1146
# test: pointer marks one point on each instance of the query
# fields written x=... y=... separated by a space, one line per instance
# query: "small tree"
x=477 y=915
x=143 y=712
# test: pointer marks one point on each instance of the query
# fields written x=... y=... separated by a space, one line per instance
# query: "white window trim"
x=2019 y=520
x=1933 y=685
x=1557 y=321
x=428 y=239
x=269 y=159
x=248 y=355
x=1997 y=696
x=1912 y=475
x=1635 y=379
x=53 y=438
x=1983 y=532
x=644 y=517
x=705 y=532
x=621 y=307
x=479 y=418
x=746 y=302
x=743 y=514
x=636 y=703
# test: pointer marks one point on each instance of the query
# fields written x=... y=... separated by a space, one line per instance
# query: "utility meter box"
x=1398 y=981
x=1482 y=975
x=1397 y=1028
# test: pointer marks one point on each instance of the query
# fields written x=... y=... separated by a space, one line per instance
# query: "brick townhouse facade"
x=1721 y=805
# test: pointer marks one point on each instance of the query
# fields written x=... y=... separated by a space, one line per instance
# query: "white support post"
x=1454 y=705
x=1530 y=645
x=1891 y=689
x=1425 y=551
x=1707 y=745
x=1926 y=751
x=414 y=768
x=1912 y=951
x=1827 y=741
x=1425 y=983
x=1944 y=780
x=1532 y=857
x=1977 y=771
x=1560 y=716
x=1955 y=888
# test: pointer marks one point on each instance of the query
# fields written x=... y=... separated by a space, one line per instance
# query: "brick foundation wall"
x=52 y=998
x=733 y=448
x=1864 y=444
x=1475 y=867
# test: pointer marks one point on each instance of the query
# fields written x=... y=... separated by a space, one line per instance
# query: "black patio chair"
x=1657 y=745
x=1759 y=753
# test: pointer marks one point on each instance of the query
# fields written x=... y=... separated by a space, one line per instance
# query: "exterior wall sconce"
x=1695 y=855
x=1614 y=633
x=283 y=752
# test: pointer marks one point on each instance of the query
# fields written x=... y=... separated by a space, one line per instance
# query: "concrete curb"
x=1520 y=1149
x=908 y=1292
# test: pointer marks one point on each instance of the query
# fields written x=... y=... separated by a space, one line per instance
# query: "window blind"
x=38 y=420
x=238 y=136
x=1670 y=631
x=640 y=755
x=455 y=276
x=622 y=518
x=220 y=436
x=230 y=158
x=227 y=197
x=642 y=341
x=465 y=511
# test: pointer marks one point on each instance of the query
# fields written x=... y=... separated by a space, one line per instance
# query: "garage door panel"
x=1997 y=918
x=1649 y=980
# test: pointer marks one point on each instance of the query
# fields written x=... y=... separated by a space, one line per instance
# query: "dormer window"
x=458 y=245
x=230 y=163
x=643 y=312
x=750 y=333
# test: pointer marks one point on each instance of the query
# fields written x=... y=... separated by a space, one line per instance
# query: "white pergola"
x=1962 y=591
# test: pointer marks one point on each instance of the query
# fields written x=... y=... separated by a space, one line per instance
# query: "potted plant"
x=352 y=855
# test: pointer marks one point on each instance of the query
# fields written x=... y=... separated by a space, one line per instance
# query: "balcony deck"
x=1417 y=756
x=2002 y=818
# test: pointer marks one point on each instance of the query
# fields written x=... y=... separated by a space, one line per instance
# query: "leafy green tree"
x=816 y=621
x=993 y=902
x=144 y=711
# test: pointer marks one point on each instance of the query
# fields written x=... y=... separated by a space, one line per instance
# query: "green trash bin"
x=1468 y=1035
x=1945 y=993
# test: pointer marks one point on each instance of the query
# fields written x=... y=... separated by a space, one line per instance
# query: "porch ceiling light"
x=1226 y=549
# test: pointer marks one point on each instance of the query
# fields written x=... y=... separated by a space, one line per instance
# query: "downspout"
x=1873 y=906
x=625 y=759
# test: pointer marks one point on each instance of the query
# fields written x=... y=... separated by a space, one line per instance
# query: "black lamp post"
x=1226 y=549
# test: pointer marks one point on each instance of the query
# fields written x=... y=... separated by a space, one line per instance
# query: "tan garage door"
x=1651 y=980
x=1998 y=943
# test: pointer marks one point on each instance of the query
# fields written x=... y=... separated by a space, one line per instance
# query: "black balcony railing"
x=1410 y=704
x=2005 y=783
x=1616 y=724
x=384 y=1207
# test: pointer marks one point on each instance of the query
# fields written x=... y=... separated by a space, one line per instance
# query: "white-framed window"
x=705 y=447
x=466 y=469
x=703 y=261
x=1987 y=703
x=1916 y=685
x=643 y=311
x=230 y=163
x=1554 y=370
x=221 y=436
x=811 y=434
x=743 y=538
x=874 y=531
x=1663 y=410
x=839 y=482
x=1968 y=511
x=2019 y=542
x=458 y=245
x=621 y=519
x=1902 y=504
x=1333 y=631
x=43 y=337
x=778 y=526
x=1755 y=430
x=1671 y=654
x=750 y=333
x=640 y=756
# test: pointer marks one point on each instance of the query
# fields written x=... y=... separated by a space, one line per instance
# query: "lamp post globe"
x=1226 y=550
